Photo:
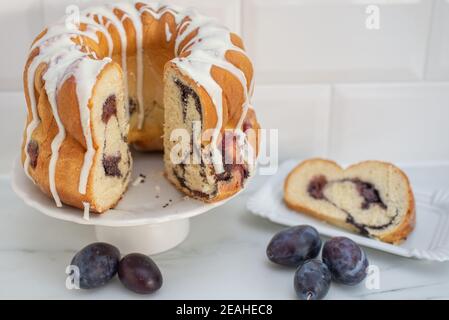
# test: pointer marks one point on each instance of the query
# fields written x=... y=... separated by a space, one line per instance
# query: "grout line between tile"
x=239 y=9
x=425 y=68
x=330 y=120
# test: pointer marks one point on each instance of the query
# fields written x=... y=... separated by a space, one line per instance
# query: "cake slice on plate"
x=372 y=198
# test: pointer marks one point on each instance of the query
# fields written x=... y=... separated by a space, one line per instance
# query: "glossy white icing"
x=49 y=45
x=168 y=34
x=208 y=48
x=86 y=215
x=107 y=12
x=65 y=58
x=52 y=78
x=133 y=14
x=157 y=10
x=88 y=20
x=34 y=116
x=86 y=74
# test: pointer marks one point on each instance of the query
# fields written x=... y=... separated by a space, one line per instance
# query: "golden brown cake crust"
x=395 y=236
x=71 y=153
x=158 y=51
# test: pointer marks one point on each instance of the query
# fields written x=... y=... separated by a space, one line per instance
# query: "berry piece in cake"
x=110 y=165
x=369 y=193
x=33 y=152
x=316 y=187
x=109 y=108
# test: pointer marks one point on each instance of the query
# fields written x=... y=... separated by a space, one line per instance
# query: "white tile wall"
x=301 y=115
x=291 y=41
x=12 y=123
x=53 y=10
x=397 y=113
x=20 y=22
x=227 y=12
x=327 y=40
x=397 y=122
x=438 y=57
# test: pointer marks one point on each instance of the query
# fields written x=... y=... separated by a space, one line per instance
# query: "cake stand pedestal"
x=152 y=216
x=149 y=238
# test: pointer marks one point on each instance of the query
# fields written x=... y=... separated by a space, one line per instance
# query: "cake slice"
x=186 y=107
x=372 y=198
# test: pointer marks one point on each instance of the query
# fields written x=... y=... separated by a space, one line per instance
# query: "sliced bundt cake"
x=373 y=198
x=135 y=73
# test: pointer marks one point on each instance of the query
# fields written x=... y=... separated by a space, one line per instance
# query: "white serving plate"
x=151 y=217
x=429 y=240
x=139 y=205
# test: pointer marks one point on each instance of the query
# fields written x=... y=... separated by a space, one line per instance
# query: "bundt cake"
x=372 y=198
x=147 y=75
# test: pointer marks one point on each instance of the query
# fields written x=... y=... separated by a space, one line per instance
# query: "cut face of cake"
x=189 y=163
x=372 y=198
x=112 y=163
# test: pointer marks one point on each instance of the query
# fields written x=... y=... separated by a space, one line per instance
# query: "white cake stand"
x=152 y=217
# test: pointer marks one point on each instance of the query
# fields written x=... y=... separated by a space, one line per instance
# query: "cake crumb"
x=158 y=191
x=140 y=179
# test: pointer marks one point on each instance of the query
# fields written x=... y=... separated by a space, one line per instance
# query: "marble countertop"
x=223 y=257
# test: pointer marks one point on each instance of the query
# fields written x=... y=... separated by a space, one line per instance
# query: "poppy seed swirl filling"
x=190 y=112
x=369 y=196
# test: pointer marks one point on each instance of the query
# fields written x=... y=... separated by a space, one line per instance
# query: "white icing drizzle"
x=52 y=78
x=132 y=13
x=157 y=10
x=251 y=86
x=49 y=45
x=107 y=12
x=64 y=59
x=203 y=55
x=35 y=118
x=86 y=75
x=210 y=51
x=88 y=20
x=168 y=34
x=86 y=215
